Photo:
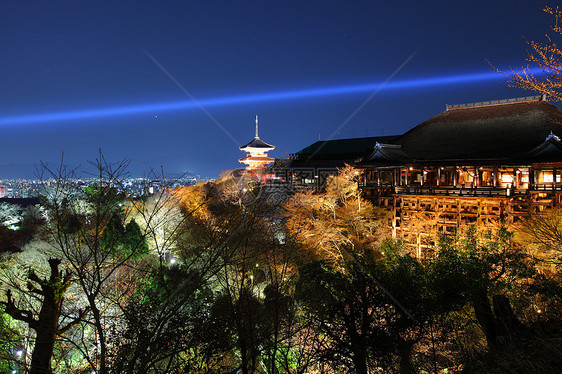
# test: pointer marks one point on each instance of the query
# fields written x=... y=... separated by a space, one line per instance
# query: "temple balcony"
x=372 y=189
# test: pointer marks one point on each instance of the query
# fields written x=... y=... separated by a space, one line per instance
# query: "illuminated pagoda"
x=257 y=149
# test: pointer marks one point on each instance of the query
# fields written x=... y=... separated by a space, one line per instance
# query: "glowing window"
x=507 y=178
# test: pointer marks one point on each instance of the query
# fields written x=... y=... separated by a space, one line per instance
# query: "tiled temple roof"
x=501 y=130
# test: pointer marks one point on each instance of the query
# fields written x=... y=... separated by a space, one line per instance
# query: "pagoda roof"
x=256 y=158
x=257 y=143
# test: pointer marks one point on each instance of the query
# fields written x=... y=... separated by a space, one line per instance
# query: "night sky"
x=83 y=57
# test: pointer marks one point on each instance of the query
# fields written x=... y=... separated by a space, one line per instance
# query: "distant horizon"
x=28 y=171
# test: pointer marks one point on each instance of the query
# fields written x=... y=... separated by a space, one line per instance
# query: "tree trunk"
x=43 y=351
x=485 y=316
x=46 y=325
x=405 y=353
x=101 y=336
x=360 y=360
x=506 y=321
x=358 y=349
x=244 y=357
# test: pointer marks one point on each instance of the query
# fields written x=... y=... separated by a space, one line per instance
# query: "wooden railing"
x=457 y=191
x=446 y=190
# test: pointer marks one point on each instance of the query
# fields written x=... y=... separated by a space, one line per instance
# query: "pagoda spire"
x=257 y=127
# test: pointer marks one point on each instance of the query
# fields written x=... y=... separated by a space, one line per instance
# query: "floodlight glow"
x=247 y=99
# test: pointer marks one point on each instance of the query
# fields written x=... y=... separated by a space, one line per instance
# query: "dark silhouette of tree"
x=373 y=312
x=166 y=326
x=485 y=270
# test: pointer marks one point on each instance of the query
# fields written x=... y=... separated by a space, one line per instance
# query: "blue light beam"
x=245 y=99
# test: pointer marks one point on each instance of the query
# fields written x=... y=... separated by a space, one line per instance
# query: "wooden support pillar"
x=438 y=181
x=536 y=179
x=554 y=188
x=475 y=179
x=495 y=176
x=455 y=179
x=406 y=175
x=479 y=213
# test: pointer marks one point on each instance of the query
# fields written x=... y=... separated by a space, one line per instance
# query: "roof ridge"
x=480 y=104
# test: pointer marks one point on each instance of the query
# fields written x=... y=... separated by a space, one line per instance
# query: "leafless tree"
x=547 y=56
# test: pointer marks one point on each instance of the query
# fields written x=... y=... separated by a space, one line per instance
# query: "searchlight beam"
x=246 y=99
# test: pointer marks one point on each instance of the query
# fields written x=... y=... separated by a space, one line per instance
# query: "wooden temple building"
x=481 y=163
x=474 y=164
x=311 y=166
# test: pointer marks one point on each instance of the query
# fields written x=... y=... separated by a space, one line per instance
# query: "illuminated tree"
x=540 y=233
x=548 y=58
x=9 y=339
x=338 y=220
x=214 y=243
x=10 y=214
x=544 y=229
x=253 y=320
